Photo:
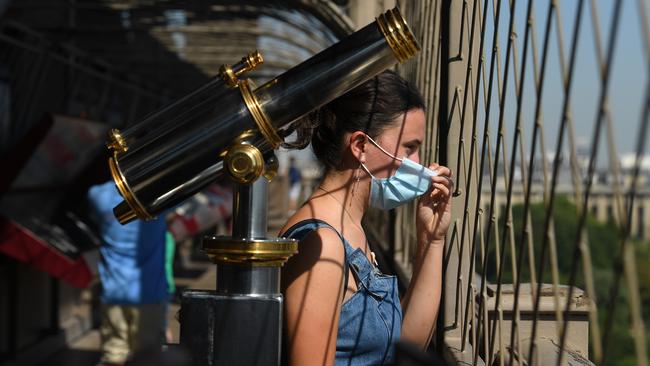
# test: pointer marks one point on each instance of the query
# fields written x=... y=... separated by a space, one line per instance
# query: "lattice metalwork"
x=424 y=71
x=546 y=137
x=50 y=77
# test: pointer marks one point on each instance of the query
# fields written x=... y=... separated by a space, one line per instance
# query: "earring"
x=356 y=182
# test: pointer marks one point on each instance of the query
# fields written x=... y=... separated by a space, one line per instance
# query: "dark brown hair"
x=371 y=107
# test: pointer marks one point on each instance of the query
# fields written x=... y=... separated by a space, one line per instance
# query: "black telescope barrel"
x=167 y=170
x=168 y=116
x=178 y=151
x=325 y=76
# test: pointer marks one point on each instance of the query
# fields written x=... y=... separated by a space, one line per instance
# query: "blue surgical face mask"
x=410 y=181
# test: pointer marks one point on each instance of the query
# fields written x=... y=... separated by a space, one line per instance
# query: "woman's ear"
x=358 y=141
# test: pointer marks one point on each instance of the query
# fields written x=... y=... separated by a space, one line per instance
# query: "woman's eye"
x=410 y=149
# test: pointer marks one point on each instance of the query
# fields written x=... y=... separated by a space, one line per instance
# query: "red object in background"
x=20 y=243
x=41 y=171
x=202 y=211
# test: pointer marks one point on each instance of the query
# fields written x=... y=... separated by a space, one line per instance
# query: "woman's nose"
x=415 y=158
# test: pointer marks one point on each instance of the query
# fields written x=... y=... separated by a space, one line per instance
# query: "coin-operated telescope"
x=230 y=126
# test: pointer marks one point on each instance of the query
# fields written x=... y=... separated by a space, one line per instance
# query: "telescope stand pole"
x=241 y=322
x=249 y=223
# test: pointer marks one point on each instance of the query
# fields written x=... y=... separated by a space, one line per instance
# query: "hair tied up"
x=371 y=107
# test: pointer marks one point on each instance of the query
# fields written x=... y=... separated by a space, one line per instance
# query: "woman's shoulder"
x=321 y=253
x=305 y=215
x=320 y=240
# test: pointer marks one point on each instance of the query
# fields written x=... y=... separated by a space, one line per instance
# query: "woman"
x=338 y=306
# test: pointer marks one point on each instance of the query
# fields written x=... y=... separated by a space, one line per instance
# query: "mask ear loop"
x=383 y=150
x=370 y=117
x=367 y=171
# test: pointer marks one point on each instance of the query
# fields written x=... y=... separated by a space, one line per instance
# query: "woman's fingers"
x=441 y=184
x=442 y=172
x=443 y=179
x=440 y=188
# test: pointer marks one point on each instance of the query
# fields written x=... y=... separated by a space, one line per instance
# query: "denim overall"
x=371 y=320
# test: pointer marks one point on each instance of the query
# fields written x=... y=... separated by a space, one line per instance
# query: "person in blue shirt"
x=132 y=274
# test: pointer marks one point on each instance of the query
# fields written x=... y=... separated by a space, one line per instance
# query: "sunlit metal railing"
x=518 y=289
x=87 y=86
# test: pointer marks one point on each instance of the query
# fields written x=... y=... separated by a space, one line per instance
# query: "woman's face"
x=402 y=139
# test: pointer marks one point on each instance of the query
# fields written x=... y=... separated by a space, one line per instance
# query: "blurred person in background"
x=295 y=182
x=132 y=273
x=170 y=250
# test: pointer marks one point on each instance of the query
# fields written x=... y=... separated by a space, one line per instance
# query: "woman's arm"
x=312 y=283
x=422 y=300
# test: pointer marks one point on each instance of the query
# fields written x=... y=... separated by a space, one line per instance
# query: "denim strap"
x=302 y=228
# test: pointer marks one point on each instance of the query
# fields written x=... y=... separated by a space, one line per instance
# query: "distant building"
x=603 y=204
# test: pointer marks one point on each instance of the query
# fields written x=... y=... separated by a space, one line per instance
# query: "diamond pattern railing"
x=543 y=136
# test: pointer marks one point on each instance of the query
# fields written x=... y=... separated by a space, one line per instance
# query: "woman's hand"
x=422 y=301
x=434 y=207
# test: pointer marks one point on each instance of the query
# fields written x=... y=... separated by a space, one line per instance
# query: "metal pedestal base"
x=221 y=329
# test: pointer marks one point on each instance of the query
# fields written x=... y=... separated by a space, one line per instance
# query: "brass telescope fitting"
x=272 y=252
x=244 y=163
x=116 y=141
x=230 y=74
x=260 y=117
x=271 y=168
x=398 y=35
x=131 y=208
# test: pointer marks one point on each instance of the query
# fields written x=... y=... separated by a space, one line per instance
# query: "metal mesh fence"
x=541 y=110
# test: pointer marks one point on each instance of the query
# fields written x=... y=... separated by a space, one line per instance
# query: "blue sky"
x=629 y=75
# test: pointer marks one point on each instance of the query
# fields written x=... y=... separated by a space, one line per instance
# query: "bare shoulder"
x=306 y=212
x=321 y=249
x=312 y=284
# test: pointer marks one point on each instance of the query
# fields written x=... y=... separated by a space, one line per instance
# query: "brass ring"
x=228 y=76
x=125 y=191
x=116 y=141
x=259 y=116
x=257 y=252
x=398 y=35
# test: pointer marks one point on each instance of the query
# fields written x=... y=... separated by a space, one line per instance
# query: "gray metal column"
x=456 y=55
x=250 y=216
x=249 y=199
